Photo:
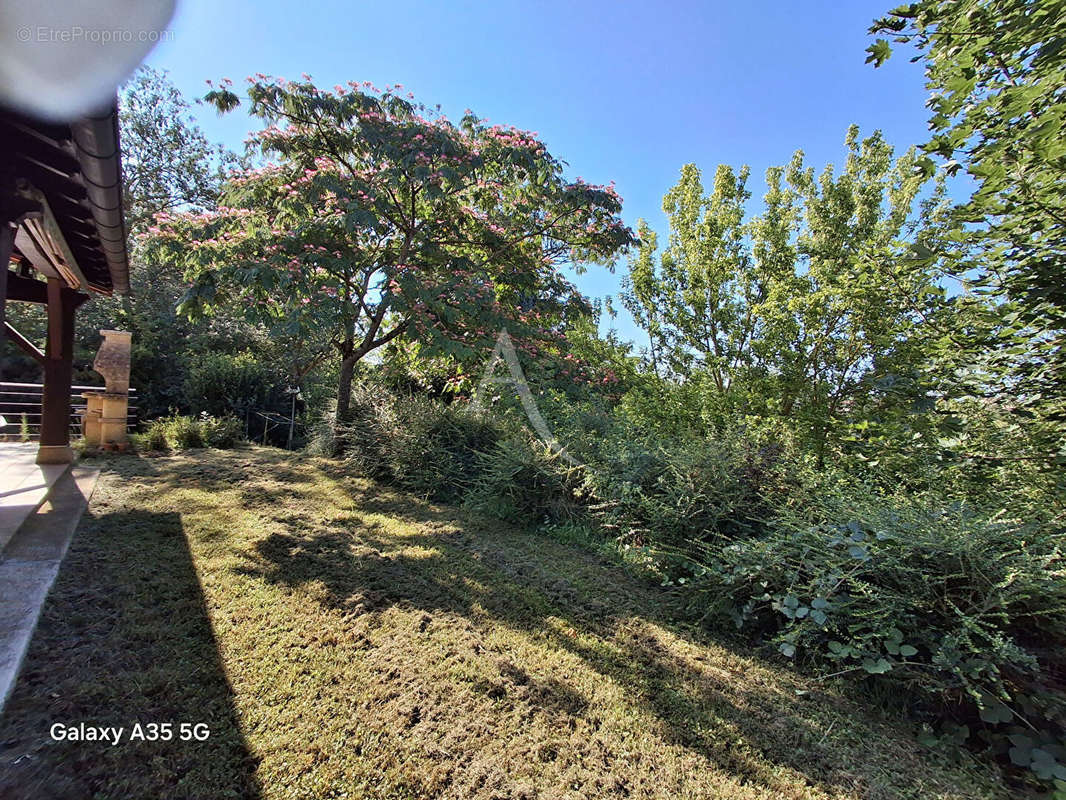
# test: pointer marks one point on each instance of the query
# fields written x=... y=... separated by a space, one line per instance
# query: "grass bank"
x=344 y=640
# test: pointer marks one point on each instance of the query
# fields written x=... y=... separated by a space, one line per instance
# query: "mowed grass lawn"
x=344 y=640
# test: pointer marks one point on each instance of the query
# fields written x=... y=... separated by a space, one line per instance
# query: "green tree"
x=699 y=311
x=803 y=311
x=381 y=219
x=168 y=164
x=996 y=70
x=852 y=310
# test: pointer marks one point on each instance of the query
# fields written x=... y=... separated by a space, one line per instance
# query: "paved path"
x=23 y=485
x=31 y=559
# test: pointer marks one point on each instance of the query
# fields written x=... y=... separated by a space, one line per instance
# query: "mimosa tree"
x=378 y=218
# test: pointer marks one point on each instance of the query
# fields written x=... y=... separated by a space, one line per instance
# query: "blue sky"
x=620 y=90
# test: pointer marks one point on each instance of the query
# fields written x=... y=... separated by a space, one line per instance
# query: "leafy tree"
x=381 y=219
x=579 y=365
x=807 y=310
x=699 y=308
x=168 y=164
x=853 y=312
x=996 y=70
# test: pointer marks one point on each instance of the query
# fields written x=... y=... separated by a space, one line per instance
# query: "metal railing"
x=20 y=405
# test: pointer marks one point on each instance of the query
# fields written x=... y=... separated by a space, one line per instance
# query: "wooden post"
x=58 y=368
x=7 y=239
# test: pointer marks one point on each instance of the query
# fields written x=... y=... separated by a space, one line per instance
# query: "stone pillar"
x=90 y=422
x=113 y=420
x=106 y=412
x=113 y=361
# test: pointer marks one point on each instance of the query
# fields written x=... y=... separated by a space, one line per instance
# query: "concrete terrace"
x=40 y=505
x=24 y=484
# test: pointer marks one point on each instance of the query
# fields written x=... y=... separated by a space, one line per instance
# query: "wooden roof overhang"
x=61 y=217
x=62 y=184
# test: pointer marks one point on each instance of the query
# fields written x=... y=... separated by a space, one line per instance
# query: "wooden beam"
x=23 y=342
x=74 y=298
x=55 y=348
x=50 y=240
x=7 y=240
x=26 y=290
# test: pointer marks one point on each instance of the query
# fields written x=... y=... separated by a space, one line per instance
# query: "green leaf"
x=1044 y=765
x=876 y=667
x=879 y=52
x=995 y=713
x=1019 y=756
x=859 y=552
x=1022 y=741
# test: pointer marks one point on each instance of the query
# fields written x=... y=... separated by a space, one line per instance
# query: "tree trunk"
x=344 y=386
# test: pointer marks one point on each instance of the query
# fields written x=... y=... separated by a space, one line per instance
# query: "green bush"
x=185 y=433
x=423 y=445
x=523 y=481
x=155 y=438
x=221 y=432
x=963 y=608
x=363 y=436
x=675 y=491
x=178 y=432
x=325 y=436
x=220 y=383
x=643 y=488
x=436 y=449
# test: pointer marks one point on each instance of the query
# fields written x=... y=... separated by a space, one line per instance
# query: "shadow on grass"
x=124 y=638
x=209 y=469
x=457 y=563
x=369 y=550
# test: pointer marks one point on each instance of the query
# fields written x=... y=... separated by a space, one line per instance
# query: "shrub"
x=155 y=437
x=953 y=604
x=220 y=383
x=178 y=432
x=184 y=433
x=221 y=432
x=673 y=491
x=363 y=436
x=325 y=436
x=670 y=492
x=436 y=449
x=420 y=444
x=643 y=488
x=521 y=480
